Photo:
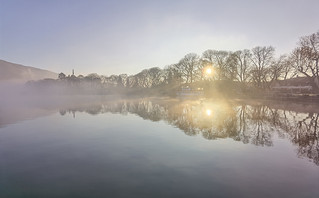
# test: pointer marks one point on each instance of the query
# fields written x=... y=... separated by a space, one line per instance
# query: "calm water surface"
x=160 y=148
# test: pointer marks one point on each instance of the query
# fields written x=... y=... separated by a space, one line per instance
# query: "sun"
x=208 y=71
x=208 y=112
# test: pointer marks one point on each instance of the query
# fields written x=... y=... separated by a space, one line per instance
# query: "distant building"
x=299 y=85
x=189 y=91
x=72 y=73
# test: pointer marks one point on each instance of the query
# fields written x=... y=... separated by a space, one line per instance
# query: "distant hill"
x=11 y=72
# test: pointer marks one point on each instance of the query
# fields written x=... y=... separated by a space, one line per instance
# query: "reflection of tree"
x=262 y=133
x=62 y=112
x=253 y=124
x=306 y=137
x=242 y=124
x=94 y=110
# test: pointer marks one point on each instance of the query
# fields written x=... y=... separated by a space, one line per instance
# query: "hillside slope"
x=11 y=72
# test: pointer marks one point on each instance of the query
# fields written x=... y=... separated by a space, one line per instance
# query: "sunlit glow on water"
x=107 y=143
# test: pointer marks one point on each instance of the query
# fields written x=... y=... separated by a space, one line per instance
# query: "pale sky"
x=117 y=36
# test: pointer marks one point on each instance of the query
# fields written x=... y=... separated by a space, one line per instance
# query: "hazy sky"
x=113 y=37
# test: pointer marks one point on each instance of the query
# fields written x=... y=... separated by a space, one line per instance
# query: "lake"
x=159 y=148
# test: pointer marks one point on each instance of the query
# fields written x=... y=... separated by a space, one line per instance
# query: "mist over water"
x=159 y=99
x=97 y=146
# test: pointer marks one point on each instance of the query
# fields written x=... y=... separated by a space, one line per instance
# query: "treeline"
x=253 y=68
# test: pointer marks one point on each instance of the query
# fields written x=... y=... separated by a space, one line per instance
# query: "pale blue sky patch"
x=113 y=37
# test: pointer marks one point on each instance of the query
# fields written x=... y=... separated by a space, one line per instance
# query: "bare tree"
x=220 y=61
x=287 y=69
x=207 y=56
x=155 y=75
x=276 y=70
x=243 y=65
x=188 y=67
x=61 y=76
x=172 y=75
x=230 y=67
x=142 y=79
x=305 y=58
x=262 y=59
x=207 y=60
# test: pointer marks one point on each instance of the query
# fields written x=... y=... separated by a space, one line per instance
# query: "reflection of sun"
x=208 y=112
x=208 y=71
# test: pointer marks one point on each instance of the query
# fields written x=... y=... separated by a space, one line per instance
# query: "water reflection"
x=255 y=124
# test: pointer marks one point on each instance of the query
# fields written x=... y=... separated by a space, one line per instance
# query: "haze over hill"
x=16 y=73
